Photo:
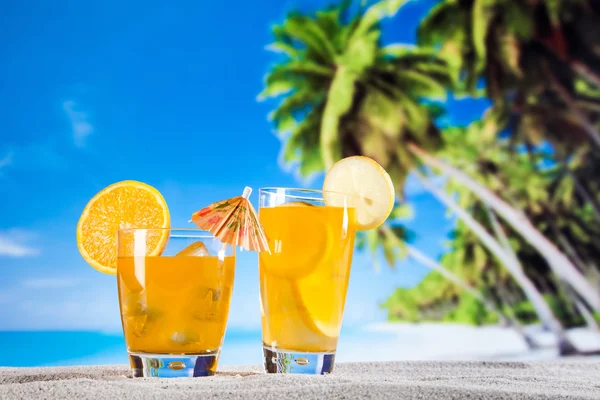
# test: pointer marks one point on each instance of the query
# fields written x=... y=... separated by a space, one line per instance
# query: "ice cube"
x=138 y=325
x=196 y=249
x=210 y=303
x=137 y=315
x=185 y=337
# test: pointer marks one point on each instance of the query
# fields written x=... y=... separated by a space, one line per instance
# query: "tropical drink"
x=175 y=305
x=305 y=278
x=174 y=285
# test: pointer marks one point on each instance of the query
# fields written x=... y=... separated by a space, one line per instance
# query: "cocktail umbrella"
x=234 y=221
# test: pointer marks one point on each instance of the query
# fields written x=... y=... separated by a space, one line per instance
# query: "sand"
x=392 y=380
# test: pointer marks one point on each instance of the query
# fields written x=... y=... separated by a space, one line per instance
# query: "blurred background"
x=485 y=113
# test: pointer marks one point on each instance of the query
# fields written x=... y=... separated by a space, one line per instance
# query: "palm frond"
x=553 y=8
x=375 y=13
x=440 y=23
x=283 y=48
x=308 y=32
x=297 y=69
x=420 y=84
x=293 y=108
x=482 y=15
x=276 y=88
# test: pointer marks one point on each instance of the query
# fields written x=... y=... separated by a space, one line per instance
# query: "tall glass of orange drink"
x=174 y=305
x=304 y=278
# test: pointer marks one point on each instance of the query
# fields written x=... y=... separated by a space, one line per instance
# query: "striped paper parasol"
x=234 y=221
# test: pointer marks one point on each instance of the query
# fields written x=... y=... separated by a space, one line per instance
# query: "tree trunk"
x=341 y=94
x=585 y=195
x=571 y=252
x=564 y=344
x=587 y=316
x=542 y=308
x=506 y=295
x=583 y=120
x=436 y=266
x=586 y=72
x=422 y=259
x=433 y=265
x=589 y=269
x=557 y=261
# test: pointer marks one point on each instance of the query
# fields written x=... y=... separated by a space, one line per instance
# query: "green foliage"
x=525 y=312
x=471 y=312
x=401 y=211
x=430 y=300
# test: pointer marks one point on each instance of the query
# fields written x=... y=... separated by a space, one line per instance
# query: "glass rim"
x=274 y=189
x=356 y=199
x=185 y=232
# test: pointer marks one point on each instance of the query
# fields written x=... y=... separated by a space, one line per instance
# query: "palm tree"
x=381 y=116
x=371 y=99
x=515 y=46
x=367 y=101
x=343 y=94
x=472 y=143
x=559 y=263
x=522 y=48
x=385 y=110
x=394 y=237
x=547 y=193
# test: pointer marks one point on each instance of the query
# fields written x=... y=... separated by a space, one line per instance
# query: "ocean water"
x=376 y=342
x=67 y=348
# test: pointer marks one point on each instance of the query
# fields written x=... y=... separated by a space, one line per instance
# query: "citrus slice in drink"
x=126 y=204
x=308 y=315
x=294 y=254
x=321 y=310
x=370 y=187
x=289 y=324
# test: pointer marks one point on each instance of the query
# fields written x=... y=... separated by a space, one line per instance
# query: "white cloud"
x=82 y=128
x=14 y=243
x=49 y=283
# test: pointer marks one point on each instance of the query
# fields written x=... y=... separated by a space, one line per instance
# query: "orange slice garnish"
x=126 y=204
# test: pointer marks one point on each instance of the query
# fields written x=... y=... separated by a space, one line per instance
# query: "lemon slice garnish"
x=370 y=188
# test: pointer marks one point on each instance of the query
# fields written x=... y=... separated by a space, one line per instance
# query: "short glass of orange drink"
x=174 y=299
x=304 y=277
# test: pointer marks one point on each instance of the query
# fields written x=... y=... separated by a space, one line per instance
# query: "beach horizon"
x=377 y=342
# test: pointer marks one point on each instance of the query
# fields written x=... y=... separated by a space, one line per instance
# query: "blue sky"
x=97 y=92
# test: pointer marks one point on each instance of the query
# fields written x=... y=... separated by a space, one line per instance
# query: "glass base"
x=145 y=365
x=294 y=362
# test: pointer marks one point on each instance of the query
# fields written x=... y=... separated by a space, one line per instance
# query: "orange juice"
x=176 y=304
x=303 y=282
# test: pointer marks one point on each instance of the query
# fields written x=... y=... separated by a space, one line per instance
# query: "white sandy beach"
x=380 y=374
x=434 y=341
x=400 y=380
